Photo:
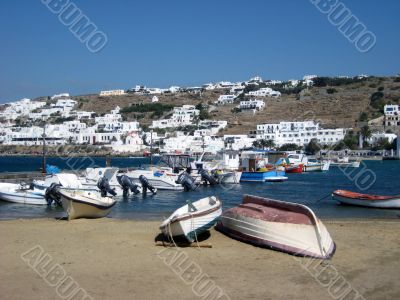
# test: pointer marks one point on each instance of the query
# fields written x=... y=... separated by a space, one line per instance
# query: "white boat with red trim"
x=378 y=201
x=288 y=227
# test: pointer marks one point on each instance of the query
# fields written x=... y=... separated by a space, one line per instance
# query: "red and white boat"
x=284 y=226
x=353 y=198
x=294 y=169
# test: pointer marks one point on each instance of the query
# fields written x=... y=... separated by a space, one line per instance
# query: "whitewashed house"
x=299 y=133
x=213 y=125
x=376 y=136
x=181 y=116
x=392 y=115
x=238 y=141
x=253 y=104
x=225 y=99
x=112 y=93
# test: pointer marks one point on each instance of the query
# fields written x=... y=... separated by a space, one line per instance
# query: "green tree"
x=289 y=147
x=312 y=147
x=365 y=132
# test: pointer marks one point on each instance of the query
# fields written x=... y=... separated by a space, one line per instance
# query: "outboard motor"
x=104 y=187
x=51 y=194
x=216 y=175
x=186 y=181
x=128 y=185
x=207 y=178
x=146 y=185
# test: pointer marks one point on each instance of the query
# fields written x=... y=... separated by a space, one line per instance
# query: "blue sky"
x=186 y=43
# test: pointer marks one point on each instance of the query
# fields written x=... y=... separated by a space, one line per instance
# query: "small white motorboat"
x=85 y=204
x=192 y=219
x=69 y=181
x=289 y=227
x=160 y=178
x=17 y=193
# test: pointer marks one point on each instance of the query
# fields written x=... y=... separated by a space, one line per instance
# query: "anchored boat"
x=353 y=198
x=84 y=204
x=16 y=193
x=284 y=226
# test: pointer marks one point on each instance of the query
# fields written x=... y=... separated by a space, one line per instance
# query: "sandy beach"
x=114 y=259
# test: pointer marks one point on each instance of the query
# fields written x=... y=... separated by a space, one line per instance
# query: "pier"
x=17 y=177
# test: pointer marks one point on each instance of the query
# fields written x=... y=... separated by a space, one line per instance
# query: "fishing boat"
x=224 y=165
x=85 y=204
x=344 y=162
x=309 y=164
x=17 y=193
x=284 y=226
x=255 y=168
x=353 y=198
x=288 y=166
x=192 y=219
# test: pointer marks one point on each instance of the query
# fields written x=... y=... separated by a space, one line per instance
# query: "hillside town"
x=58 y=121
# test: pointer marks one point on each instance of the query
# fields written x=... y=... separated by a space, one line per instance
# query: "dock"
x=18 y=177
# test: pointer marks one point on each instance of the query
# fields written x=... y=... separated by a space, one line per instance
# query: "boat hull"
x=156 y=179
x=283 y=226
x=76 y=209
x=23 y=198
x=294 y=169
x=383 y=203
x=261 y=176
x=188 y=225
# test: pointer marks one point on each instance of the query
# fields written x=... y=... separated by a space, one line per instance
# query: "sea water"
x=313 y=189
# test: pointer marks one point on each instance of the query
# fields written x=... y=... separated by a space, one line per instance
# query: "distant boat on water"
x=367 y=200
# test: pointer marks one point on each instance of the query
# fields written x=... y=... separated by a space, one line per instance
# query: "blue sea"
x=312 y=189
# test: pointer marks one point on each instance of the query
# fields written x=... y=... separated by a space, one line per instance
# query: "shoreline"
x=118 y=259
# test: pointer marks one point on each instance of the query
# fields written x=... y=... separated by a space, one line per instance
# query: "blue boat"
x=263 y=176
x=255 y=168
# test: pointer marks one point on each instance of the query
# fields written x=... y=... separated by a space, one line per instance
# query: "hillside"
x=336 y=105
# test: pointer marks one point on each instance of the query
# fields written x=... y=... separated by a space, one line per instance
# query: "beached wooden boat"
x=84 y=204
x=353 y=198
x=284 y=226
x=192 y=219
x=16 y=193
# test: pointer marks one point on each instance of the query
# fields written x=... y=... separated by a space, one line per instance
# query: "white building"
x=225 y=99
x=252 y=104
x=154 y=99
x=238 y=141
x=213 y=125
x=64 y=103
x=264 y=92
x=299 y=133
x=132 y=143
x=181 y=116
x=112 y=93
x=376 y=136
x=392 y=115
x=308 y=79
